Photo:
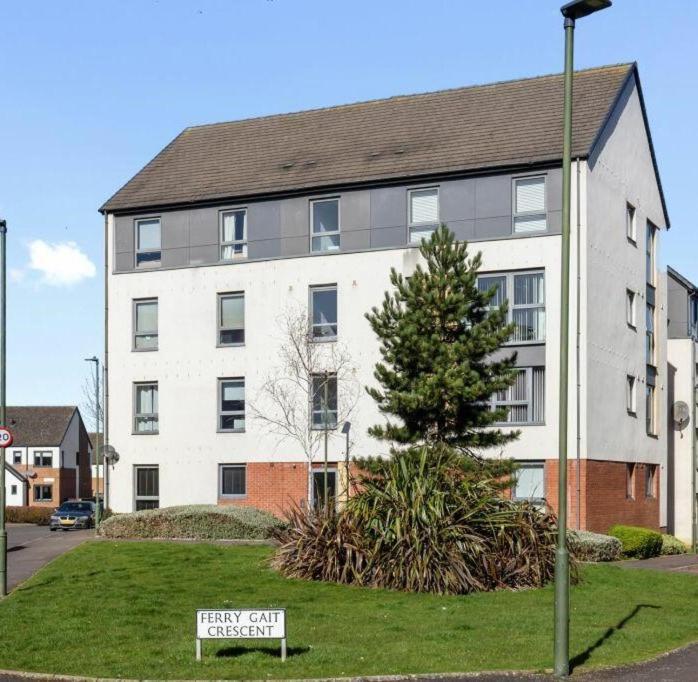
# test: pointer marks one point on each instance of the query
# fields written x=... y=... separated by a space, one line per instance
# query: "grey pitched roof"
x=37 y=425
x=503 y=124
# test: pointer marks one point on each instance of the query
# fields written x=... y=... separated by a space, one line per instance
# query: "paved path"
x=30 y=547
x=679 y=563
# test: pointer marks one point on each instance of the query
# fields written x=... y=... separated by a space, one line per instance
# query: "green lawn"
x=116 y=609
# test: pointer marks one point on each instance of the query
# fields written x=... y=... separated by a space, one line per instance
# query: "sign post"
x=240 y=624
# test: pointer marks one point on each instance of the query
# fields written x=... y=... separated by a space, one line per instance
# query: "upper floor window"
x=693 y=316
x=650 y=251
x=529 y=482
x=650 y=344
x=145 y=324
x=324 y=401
x=526 y=295
x=145 y=404
x=17 y=457
x=231 y=319
x=323 y=312
x=231 y=404
x=630 y=224
x=423 y=213
x=148 y=243
x=650 y=411
x=234 y=234
x=529 y=204
x=324 y=225
x=43 y=458
x=630 y=315
x=630 y=395
x=525 y=399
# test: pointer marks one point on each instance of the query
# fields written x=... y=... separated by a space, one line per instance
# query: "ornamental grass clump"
x=420 y=523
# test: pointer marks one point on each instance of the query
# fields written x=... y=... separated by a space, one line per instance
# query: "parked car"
x=79 y=514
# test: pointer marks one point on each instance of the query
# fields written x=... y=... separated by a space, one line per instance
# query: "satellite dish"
x=681 y=414
x=112 y=456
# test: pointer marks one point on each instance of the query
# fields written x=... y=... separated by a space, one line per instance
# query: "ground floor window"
x=319 y=486
x=232 y=480
x=650 y=480
x=147 y=484
x=43 y=493
x=630 y=481
x=530 y=482
x=13 y=490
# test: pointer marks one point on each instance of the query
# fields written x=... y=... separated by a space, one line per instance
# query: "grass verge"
x=120 y=609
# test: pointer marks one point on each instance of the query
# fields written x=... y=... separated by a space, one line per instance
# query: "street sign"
x=241 y=624
x=6 y=437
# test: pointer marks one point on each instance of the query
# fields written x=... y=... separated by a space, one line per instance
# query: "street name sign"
x=241 y=624
x=6 y=437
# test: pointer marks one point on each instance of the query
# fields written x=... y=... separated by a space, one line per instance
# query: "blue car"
x=72 y=515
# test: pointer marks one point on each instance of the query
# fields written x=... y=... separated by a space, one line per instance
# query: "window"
x=650 y=410
x=630 y=227
x=43 y=458
x=233 y=480
x=650 y=480
x=323 y=312
x=324 y=225
x=147 y=485
x=319 y=487
x=324 y=401
x=234 y=234
x=43 y=493
x=423 y=213
x=524 y=401
x=630 y=308
x=649 y=346
x=145 y=324
x=650 y=252
x=17 y=457
x=527 y=310
x=231 y=319
x=529 y=205
x=148 y=243
x=693 y=317
x=145 y=418
x=13 y=490
x=630 y=395
x=529 y=482
x=231 y=404
x=630 y=481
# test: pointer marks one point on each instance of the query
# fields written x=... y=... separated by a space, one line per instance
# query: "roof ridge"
x=392 y=98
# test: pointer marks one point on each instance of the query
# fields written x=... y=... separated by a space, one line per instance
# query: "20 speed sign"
x=5 y=437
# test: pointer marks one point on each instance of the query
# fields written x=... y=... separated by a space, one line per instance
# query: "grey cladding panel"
x=172 y=258
x=388 y=236
x=526 y=356
x=388 y=207
x=355 y=240
x=553 y=189
x=295 y=221
x=457 y=200
x=295 y=246
x=123 y=262
x=124 y=234
x=463 y=229
x=493 y=228
x=493 y=196
x=203 y=226
x=201 y=255
x=264 y=248
x=175 y=230
x=264 y=220
x=355 y=211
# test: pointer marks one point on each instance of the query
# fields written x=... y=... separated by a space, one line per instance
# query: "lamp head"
x=582 y=8
x=346 y=427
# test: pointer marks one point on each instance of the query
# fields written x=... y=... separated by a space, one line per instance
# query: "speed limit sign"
x=5 y=437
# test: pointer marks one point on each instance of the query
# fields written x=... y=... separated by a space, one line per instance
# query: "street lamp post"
x=3 y=416
x=95 y=359
x=346 y=427
x=571 y=12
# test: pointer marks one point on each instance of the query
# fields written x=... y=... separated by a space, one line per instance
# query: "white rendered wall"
x=16 y=499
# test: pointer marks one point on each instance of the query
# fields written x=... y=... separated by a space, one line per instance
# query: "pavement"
x=677 y=563
x=31 y=547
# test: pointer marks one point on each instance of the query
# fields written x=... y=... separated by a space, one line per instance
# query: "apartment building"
x=679 y=500
x=48 y=461
x=234 y=224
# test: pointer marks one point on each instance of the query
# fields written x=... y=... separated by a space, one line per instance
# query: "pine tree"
x=440 y=366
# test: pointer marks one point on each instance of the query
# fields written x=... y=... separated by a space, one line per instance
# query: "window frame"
x=414 y=227
x=151 y=415
x=312 y=289
x=219 y=405
x=145 y=498
x=244 y=242
x=650 y=481
x=495 y=404
x=510 y=283
x=337 y=232
x=138 y=251
x=651 y=253
x=43 y=454
x=530 y=464
x=630 y=469
x=332 y=426
x=529 y=214
x=631 y=223
x=40 y=487
x=219 y=319
x=231 y=496
x=134 y=324
x=631 y=395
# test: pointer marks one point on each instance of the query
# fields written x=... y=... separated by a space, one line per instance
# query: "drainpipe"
x=578 y=349
x=105 y=364
x=694 y=449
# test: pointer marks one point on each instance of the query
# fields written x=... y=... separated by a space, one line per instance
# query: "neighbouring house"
x=234 y=223
x=50 y=453
x=97 y=471
x=679 y=502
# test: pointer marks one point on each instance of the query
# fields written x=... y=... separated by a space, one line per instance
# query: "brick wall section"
x=603 y=499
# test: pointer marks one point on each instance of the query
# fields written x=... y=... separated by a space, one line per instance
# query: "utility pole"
x=3 y=415
x=95 y=359
x=325 y=398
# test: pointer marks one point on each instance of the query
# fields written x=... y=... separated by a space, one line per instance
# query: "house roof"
x=506 y=124
x=17 y=474
x=37 y=425
x=684 y=281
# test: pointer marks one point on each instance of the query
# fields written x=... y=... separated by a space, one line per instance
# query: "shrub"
x=639 y=543
x=200 y=522
x=587 y=546
x=38 y=515
x=672 y=545
x=420 y=524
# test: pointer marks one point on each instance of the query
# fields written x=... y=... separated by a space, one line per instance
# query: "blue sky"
x=93 y=90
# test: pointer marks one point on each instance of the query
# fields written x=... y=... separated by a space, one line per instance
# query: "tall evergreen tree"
x=439 y=342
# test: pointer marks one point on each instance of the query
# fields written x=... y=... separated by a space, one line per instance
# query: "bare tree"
x=88 y=403
x=291 y=401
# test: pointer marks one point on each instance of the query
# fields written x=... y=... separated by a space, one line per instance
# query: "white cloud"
x=60 y=264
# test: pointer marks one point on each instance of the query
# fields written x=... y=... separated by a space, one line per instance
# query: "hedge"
x=672 y=545
x=38 y=515
x=638 y=543
x=197 y=522
x=587 y=546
